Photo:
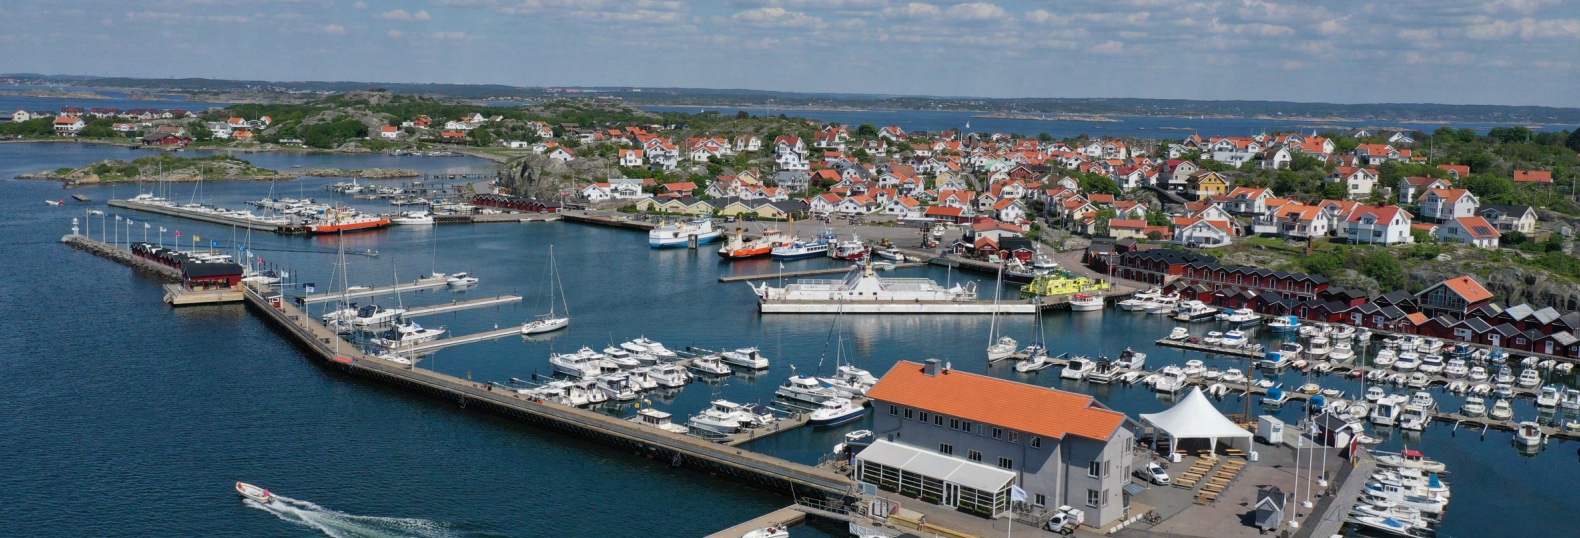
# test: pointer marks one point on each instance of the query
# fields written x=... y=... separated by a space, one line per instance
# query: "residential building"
x=1533 y=176
x=389 y=132
x=1358 y=182
x=1474 y=230
x=962 y=440
x=1203 y=233
x=68 y=125
x=1371 y=225
x=1455 y=297
x=1510 y=218
x=1442 y=205
x=1205 y=184
x=1411 y=187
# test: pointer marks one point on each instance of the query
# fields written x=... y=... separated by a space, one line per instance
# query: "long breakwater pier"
x=329 y=350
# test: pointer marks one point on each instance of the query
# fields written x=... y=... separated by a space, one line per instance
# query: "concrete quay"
x=195 y=215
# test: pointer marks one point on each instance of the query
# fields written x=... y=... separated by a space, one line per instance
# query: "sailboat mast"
x=998 y=289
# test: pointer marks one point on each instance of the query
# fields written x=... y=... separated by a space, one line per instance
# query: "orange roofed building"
x=962 y=440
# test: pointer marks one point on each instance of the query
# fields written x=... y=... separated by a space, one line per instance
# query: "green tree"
x=200 y=132
x=1573 y=142
x=1158 y=218
x=1334 y=190
x=1044 y=138
x=1421 y=237
x=743 y=115
x=1508 y=135
x=1383 y=267
x=1512 y=237
x=1103 y=216
x=867 y=130
x=1487 y=187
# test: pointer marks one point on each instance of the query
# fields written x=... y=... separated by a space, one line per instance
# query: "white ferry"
x=862 y=285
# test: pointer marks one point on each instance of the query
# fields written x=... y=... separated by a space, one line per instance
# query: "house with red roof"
x=1443 y=205
x=1301 y=221
x=68 y=125
x=1533 y=176
x=1247 y=200
x=1411 y=187
x=1373 y=225
x=1203 y=233
x=1454 y=297
x=389 y=132
x=1127 y=228
x=1459 y=171
x=631 y=158
x=976 y=436
x=1376 y=154
x=1474 y=230
x=1358 y=182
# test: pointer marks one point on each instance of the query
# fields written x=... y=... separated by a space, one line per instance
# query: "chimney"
x=931 y=369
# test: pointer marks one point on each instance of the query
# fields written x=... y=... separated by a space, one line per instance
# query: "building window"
x=998 y=433
x=1107 y=468
x=967 y=425
x=1036 y=442
x=938 y=420
x=946 y=449
x=1105 y=497
x=1042 y=500
x=924 y=416
x=907 y=413
x=1006 y=463
x=1014 y=437
x=974 y=455
x=894 y=409
x=1091 y=498
x=954 y=424
x=1094 y=468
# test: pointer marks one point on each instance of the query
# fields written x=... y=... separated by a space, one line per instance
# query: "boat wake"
x=342 y=525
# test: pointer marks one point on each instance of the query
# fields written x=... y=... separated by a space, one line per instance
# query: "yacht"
x=806 y=390
x=1548 y=397
x=1474 y=406
x=620 y=357
x=407 y=334
x=1139 y=300
x=373 y=314
x=1529 y=378
x=1036 y=359
x=1194 y=311
x=1320 y=347
x=1385 y=358
x=617 y=387
x=1179 y=333
x=1131 y=359
x=651 y=347
x=681 y=233
x=835 y=411
x=1386 y=413
x=746 y=357
x=1342 y=333
x=1194 y=368
x=1456 y=368
x=1284 y=324
x=722 y=417
x=670 y=376
x=552 y=321
x=710 y=365
x=1233 y=375
x=1501 y=410
x=658 y=419
x=642 y=378
x=1477 y=373
x=1086 y=303
x=1163 y=305
x=461 y=280
x=1408 y=361
x=1242 y=317
x=584 y=364
x=1528 y=434
x=1341 y=352
x=1233 y=339
x=413 y=218
x=1077 y=368
x=1375 y=393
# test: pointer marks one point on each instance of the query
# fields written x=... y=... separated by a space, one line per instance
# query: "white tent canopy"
x=1196 y=418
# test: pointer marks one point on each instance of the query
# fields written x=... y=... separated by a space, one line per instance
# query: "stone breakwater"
x=122 y=256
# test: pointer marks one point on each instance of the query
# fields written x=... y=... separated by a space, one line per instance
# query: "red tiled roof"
x=1468 y=289
x=989 y=400
x=1536 y=176
x=942 y=211
x=1461 y=169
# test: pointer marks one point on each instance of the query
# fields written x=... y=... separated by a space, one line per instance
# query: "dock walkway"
x=588 y=218
x=786 y=516
x=419 y=284
x=435 y=345
x=454 y=306
x=1209 y=348
x=1337 y=507
x=326 y=348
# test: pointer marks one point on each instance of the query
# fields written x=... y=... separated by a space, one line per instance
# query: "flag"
x=161 y=229
x=178 y=233
x=284 y=274
x=196 y=239
x=1016 y=494
x=214 y=244
x=146 y=226
x=117 y=217
x=308 y=288
x=95 y=212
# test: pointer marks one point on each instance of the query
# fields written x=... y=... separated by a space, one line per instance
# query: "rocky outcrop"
x=537 y=176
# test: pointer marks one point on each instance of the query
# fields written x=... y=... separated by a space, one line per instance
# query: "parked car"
x=1154 y=473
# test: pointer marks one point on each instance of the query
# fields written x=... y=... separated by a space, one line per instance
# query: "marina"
x=359 y=292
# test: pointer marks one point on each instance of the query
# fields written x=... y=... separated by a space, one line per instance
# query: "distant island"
x=1044 y=117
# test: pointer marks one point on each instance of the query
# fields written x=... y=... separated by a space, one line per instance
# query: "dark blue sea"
x=126 y=417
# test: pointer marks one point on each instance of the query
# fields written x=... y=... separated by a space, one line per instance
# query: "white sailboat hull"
x=544 y=325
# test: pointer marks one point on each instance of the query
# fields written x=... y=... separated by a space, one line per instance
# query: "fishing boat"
x=746 y=357
x=739 y=248
x=658 y=419
x=345 y=220
x=797 y=249
x=254 y=492
x=681 y=233
x=850 y=250
x=553 y=320
x=1082 y=302
x=834 y=411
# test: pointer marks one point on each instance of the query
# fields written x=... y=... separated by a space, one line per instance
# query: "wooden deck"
x=415 y=285
x=786 y=516
x=454 y=306
x=429 y=347
x=1209 y=348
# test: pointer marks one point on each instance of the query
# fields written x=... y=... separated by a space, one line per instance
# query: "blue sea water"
x=127 y=417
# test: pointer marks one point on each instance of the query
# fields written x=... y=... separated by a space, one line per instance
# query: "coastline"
x=1117 y=118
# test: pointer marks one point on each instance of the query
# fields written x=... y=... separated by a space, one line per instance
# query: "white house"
x=748 y=143
x=857 y=205
x=1277 y=158
x=597 y=192
x=1372 y=225
x=562 y=154
x=389 y=132
x=1411 y=187
x=791 y=160
x=824 y=204
x=626 y=188
x=904 y=207
x=631 y=158
x=68 y=126
x=1474 y=230
x=1358 y=182
x=1202 y=232
x=1443 y=205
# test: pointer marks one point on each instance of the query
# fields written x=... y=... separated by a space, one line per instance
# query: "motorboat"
x=1218 y=390
x=1549 y=396
x=1408 y=361
x=1375 y=393
x=620 y=357
x=1528 y=434
x=1213 y=338
x=1242 y=317
x=797 y=249
x=584 y=364
x=658 y=419
x=806 y=390
x=1274 y=360
x=1320 y=347
x=771 y=531
x=1233 y=339
x=1194 y=368
x=1386 y=413
x=1570 y=400
x=413 y=218
x=722 y=417
x=1341 y=352
x=407 y=334
x=1233 y=375
x=1456 y=368
x=1131 y=359
x=648 y=346
x=1457 y=386
x=891 y=253
x=746 y=357
x=1212 y=373
x=1103 y=372
x=617 y=386
x=1432 y=364
x=835 y=411
x=850 y=250
x=1342 y=333
x=1474 y=406
x=1077 y=368
x=1001 y=349
x=1179 y=333
x=710 y=365
x=1384 y=524
x=1503 y=377
x=1529 y=378
x=1413 y=419
x=1477 y=373
x=1276 y=397
x=1409 y=459
x=1284 y=324
x=254 y=492
x=1036 y=359
x=1417 y=380
x=371 y=315
x=1194 y=311
x=1501 y=410
x=670 y=375
x=461 y=280
x=1163 y=305
x=1385 y=358
x=1082 y=302
x=1170 y=380
x=682 y=233
x=1140 y=300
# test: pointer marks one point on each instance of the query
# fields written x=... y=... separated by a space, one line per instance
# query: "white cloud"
x=332 y=29
x=1109 y=47
x=403 y=15
x=776 y=17
x=396 y=33
x=913 y=10
x=450 y=35
x=976 y=11
x=360 y=5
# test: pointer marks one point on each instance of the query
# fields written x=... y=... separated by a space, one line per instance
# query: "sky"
x=1511 y=52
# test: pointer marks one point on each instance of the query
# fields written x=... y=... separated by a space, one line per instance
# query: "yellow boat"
x=1060 y=283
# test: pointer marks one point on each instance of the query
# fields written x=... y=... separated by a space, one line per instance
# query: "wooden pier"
x=783 y=517
x=328 y=349
x=489 y=218
x=1209 y=348
x=178 y=295
x=454 y=306
x=415 y=285
x=435 y=345
x=809 y=272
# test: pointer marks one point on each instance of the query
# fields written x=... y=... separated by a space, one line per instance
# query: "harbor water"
x=127 y=417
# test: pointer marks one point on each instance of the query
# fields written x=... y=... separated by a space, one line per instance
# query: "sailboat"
x=849 y=380
x=999 y=346
x=553 y=320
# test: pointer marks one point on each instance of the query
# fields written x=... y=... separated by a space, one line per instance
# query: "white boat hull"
x=544 y=325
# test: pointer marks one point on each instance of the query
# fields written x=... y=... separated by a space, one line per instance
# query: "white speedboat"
x=771 y=531
x=670 y=376
x=1233 y=376
x=1456 y=367
x=1194 y=311
x=413 y=218
x=1432 y=364
x=1077 y=368
x=1239 y=317
x=1501 y=410
x=1529 y=378
x=746 y=357
x=1477 y=373
x=1179 y=333
x=1195 y=368
x=1474 y=407
x=1341 y=352
x=1548 y=397
x=620 y=357
x=407 y=334
x=1528 y=434
x=1408 y=361
x=1417 y=380
x=461 y=280
x=1342 y=333
x=617 y=387
x=658 y=419
x=642 y=378
x=1320 y=347
x=710 y=365
x=371 y=315
x=1233 y=339
x=1385 y=358
x=1086 y=303
x=1375 y=393
x=1410 y=459
x=1131 y=359
x=835 y=411
x=254 y=492
x=1387 y=525
x=1214 y=338
x=1569 y=400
